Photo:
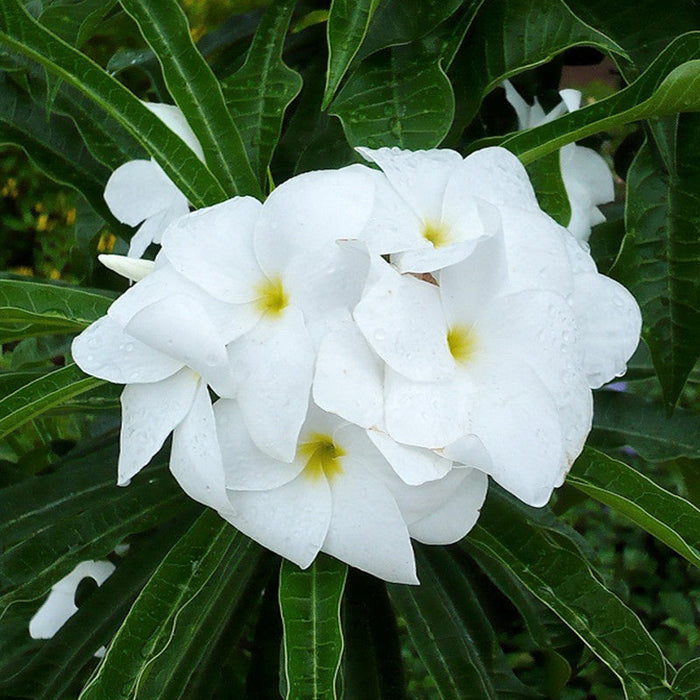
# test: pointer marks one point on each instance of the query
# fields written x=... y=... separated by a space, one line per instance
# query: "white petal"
x=468 y=451
x=609 y=323
x=571 y=98
x=429 y=259
x=60 y=605
x=535 y=251
x=195 y=460
x=414 y=465
x=152 y=229
x=539 y=329
x=137 y=190
x=335 y=280
x=106 y=351
x=367 y=530
x=588 y=183
x=465 y=288
x=349 y=378
x=493 y=174
x=174 y=119
x=131 y=268
x=274 y=364
x=213 y=248
x=245 y=466
x=419 y=177
x=291 y=520
x=180 y=328
x=150 y=412
x=401 y=317
x=456 y=515
x=518 y=423
x=427 y=414
x=310 y=212
x=521 y=107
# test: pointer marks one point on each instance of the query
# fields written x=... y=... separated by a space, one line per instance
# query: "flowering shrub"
x=357 y=314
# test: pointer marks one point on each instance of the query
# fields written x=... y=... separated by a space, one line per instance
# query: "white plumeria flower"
x=340 y=496
x=60 y=605
x=587 y=178
x=473 y=362
x=166 y=340
x=139 y=192
x=427 y=214
x=280 y=262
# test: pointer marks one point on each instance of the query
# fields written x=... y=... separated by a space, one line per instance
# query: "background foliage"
x=595 y=596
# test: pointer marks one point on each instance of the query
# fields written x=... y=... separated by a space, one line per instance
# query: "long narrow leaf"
x=671 y=519
x=562 y=579
x=313 y=639
x=188 y=597
x=22 y=33
x=196 y=91
x=43 y=393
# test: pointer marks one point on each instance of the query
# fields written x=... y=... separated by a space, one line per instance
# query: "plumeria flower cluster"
x=343 y=366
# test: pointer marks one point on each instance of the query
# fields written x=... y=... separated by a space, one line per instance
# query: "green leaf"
x=53 y=144
x=545 y=174
x=40 y=395
x=74 y=21
x=372 y=663
x=60 y=661
x=660 y=257
x=313 y=639
x=261 y=90
x=196 y=91
x=33 y=308
x=668 y=517
x=20 y=32
x=626 y=419
x=397 y=97
x=348 y=22
x=562 y=579
x=181 y=611
x=508 y=37
x=451 y=632
x=32 y=565
x=687 y=680
x=670 y=85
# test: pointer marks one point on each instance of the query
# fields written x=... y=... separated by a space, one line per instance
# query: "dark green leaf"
x=670 y=85
x=671 y=519
x=53 y=143
x=20 y=32
x=660 y=257
x=687 y=681
x=33 y=308
x=31 y=566
x=562 y=579
x=260 y=91
x=59 y=661
x=183 y=607
x=196 y=91
x=452 y=634
x=40 y=395
x=508 y=37
x=372 y=664
x=397 y=97
x=313 y=639
x=545 y=174
x=74 y=22
x=347 y=25
x=626 y=419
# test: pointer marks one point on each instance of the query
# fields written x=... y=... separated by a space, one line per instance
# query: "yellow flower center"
x=462 y=343
x=437 y=234
x=272 y=298
x=323 y=457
